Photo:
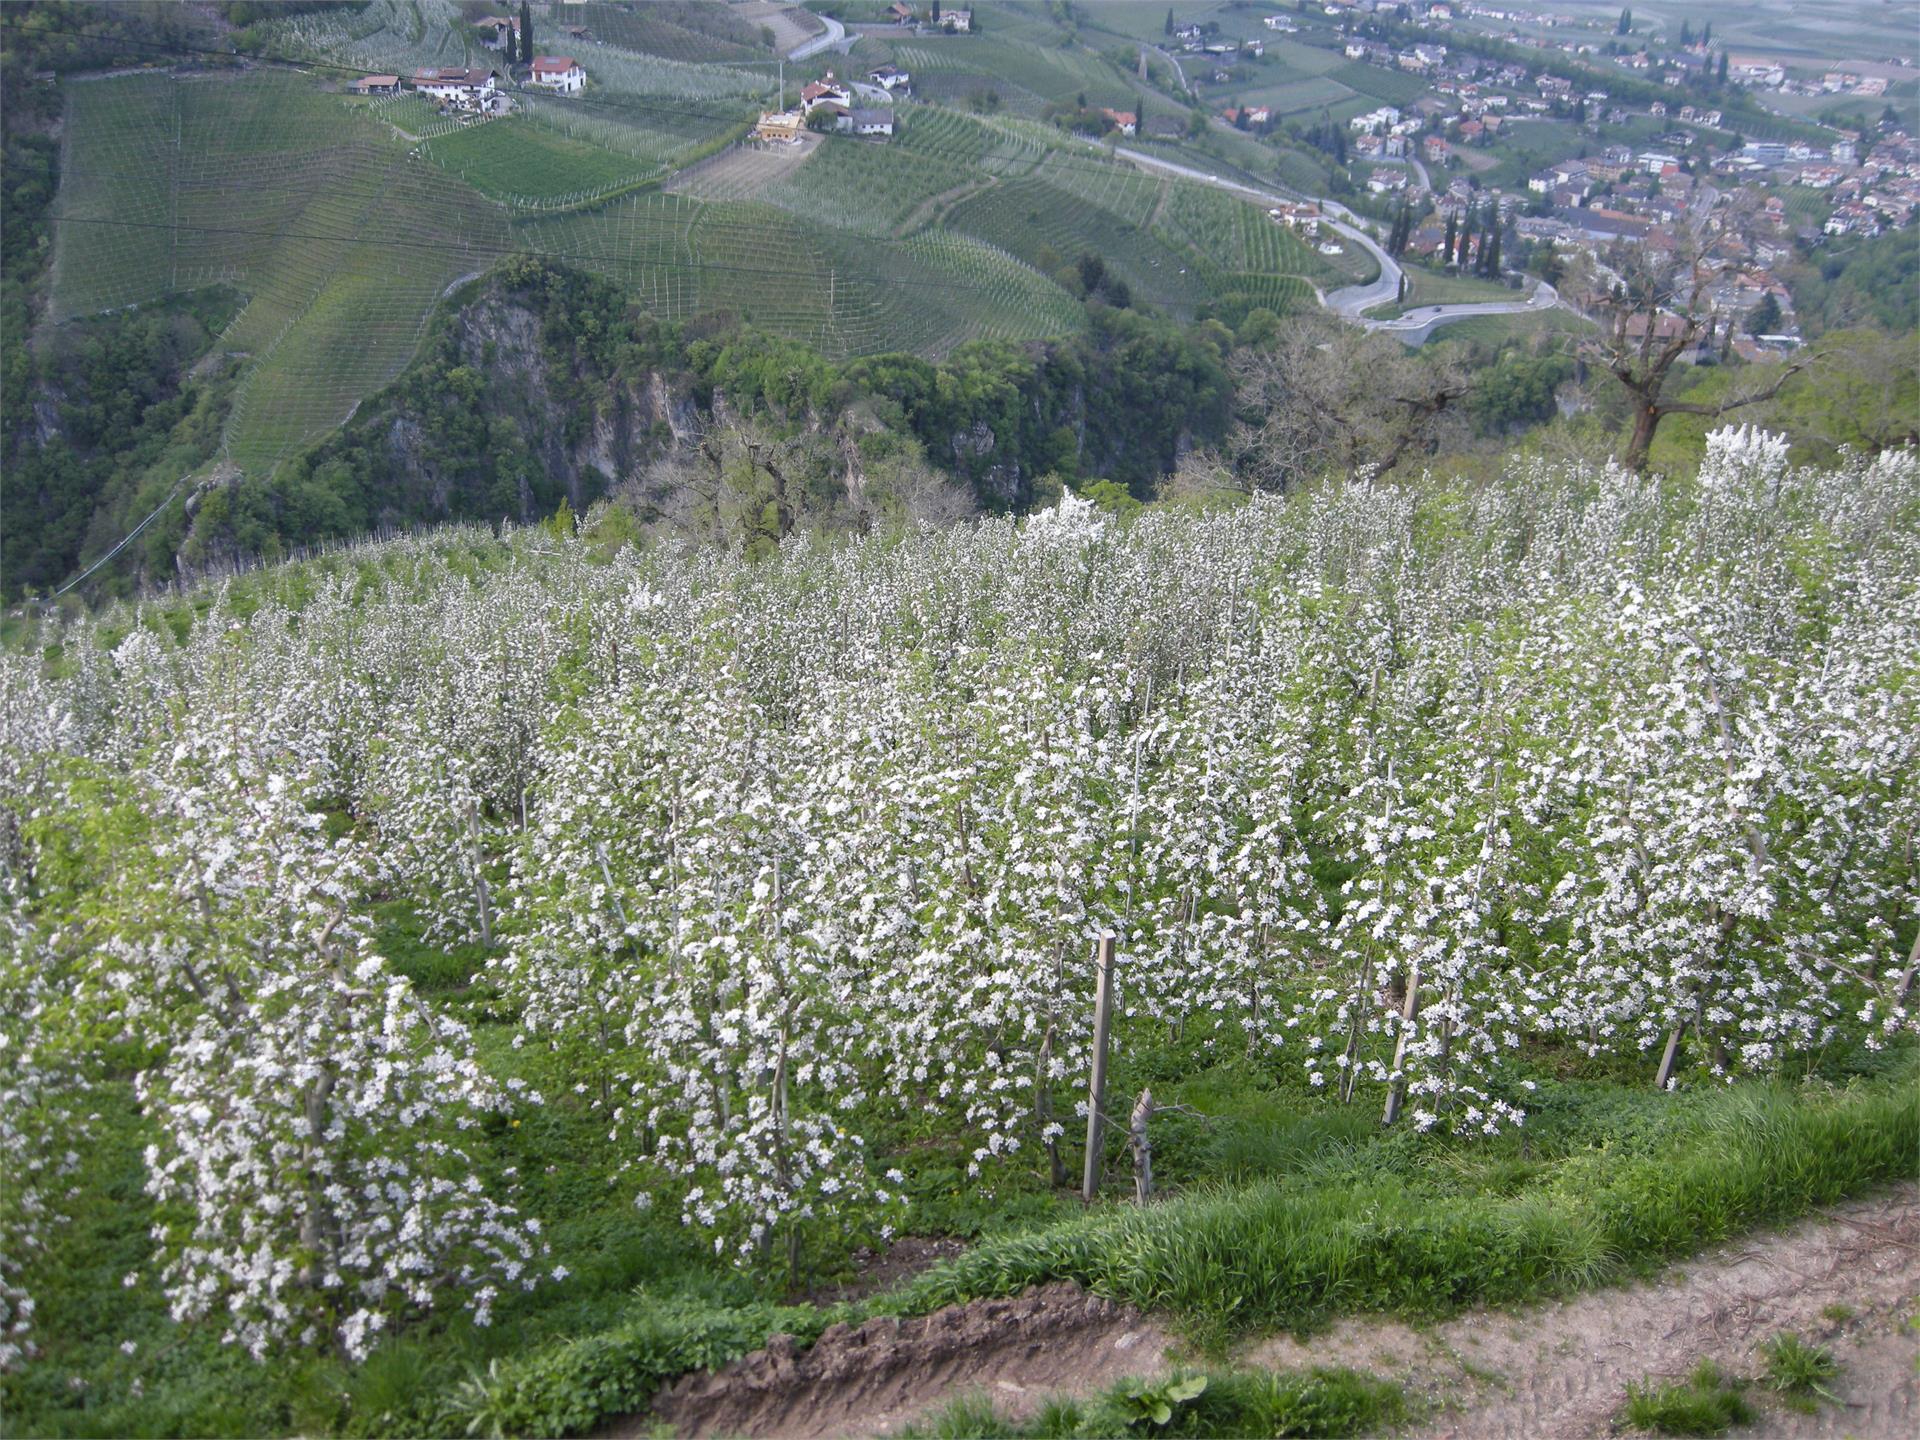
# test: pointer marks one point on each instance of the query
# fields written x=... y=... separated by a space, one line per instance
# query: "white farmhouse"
x=469 y=89
x=559 y=72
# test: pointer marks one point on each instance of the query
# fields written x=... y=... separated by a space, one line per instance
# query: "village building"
x=376 y=85
x=780 y=127
x=1125 y=121
x=469 y=89
x=891 y=77
x=494 y=30
x=830 y=115
x=558 y=72
x=872 y=122
x=1304 y=217
x=826 y=91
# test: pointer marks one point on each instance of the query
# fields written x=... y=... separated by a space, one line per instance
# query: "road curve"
x=836 y=32
x=1179 y=73
x=1352 y=301
x=1416 y=327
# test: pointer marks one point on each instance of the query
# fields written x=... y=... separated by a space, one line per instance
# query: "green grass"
x=1332 y=1218
x=1291 y=97
x=524 y=163
x=1430 y=287
x=1798 y=1371
x=1705 y=1403
x=1317 y=1402
x=1393 y=87
x=1289 y=1253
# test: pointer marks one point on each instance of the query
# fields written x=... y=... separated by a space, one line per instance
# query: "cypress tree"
x=1706 y=34
x=1723 y=67
x=1686 y=34
x=526 y=33
x=1453 y=233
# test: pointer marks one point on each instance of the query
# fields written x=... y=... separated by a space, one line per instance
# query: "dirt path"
x=935 y=204
x=1558 y=1370
x=1561 y=1370
x=876 y=1377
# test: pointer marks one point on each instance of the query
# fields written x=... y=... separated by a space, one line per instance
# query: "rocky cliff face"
x=625 y=422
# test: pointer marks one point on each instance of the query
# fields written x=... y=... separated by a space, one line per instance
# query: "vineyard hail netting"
x=1375 y=786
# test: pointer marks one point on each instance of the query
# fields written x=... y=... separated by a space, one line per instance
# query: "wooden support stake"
x=1666 y=1061
x=1097 y=1087
x=1396 y=1093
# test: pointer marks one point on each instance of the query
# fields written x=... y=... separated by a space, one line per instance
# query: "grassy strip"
x=1279 y=1256
x=570 y=1387
x=1316 y=1402
x=1289 y=1255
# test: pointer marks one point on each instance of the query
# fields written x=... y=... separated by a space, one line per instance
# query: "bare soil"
x=740 y=172
x=882 y=1270
x=1849 y=1277
x=790 y=24
x=870 y=1379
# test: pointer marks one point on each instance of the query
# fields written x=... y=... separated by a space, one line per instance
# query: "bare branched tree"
x=1329 y=397
x=1650 y=327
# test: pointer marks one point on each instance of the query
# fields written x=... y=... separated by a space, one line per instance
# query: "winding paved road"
x=1352 y=301
x=836 y=32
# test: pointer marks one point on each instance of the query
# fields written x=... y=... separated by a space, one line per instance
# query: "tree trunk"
x=1646 y=419
x=1043 y=1110
x=1142 y=1148
x=1409 y=1011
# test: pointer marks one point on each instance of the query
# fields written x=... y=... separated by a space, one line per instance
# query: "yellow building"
x=784 y=127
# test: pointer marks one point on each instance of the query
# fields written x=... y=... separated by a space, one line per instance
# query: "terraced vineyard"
x=342 y=219
x=866 y=187
x=660 y=136
x=339 y=305
x=339 y=238
x=846 y=294
x=686 y=32
x=1048 y=226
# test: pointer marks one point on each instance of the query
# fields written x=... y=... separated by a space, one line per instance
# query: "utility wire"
x=131 y=536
